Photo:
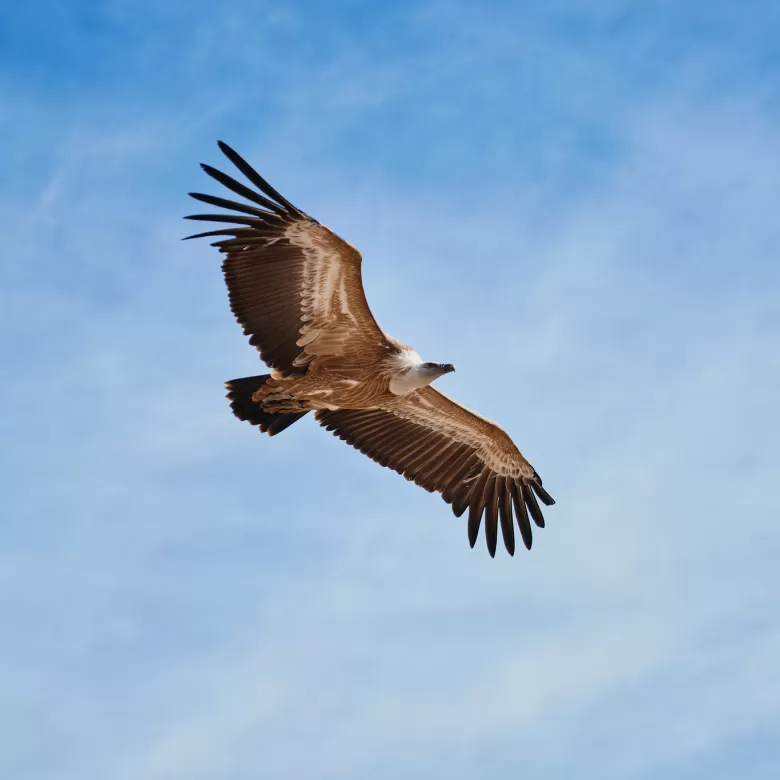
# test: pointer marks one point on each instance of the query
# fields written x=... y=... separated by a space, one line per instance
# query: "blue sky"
x=577 y=204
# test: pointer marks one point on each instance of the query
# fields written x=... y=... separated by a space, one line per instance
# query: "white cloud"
x=195 y=601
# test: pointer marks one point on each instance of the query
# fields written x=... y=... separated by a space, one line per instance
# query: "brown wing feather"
x=443 y=447
x=294 y=286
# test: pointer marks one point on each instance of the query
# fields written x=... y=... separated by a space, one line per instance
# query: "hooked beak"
x=447 y=368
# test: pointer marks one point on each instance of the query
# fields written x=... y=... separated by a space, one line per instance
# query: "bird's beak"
x=447 y=368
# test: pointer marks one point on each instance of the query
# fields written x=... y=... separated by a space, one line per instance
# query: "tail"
x=240 y=393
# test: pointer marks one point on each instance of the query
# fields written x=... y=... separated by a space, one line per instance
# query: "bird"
x=296 y=289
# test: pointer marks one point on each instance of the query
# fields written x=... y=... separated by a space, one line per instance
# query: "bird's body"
x=296 y=288
x=360 y=385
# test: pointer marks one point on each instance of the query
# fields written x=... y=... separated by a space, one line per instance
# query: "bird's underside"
x=296 y=289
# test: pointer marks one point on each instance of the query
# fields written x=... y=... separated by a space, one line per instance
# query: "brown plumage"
x=296 y=289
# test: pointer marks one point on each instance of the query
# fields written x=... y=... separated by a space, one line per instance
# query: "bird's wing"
x=294 y=285
x=444 y=447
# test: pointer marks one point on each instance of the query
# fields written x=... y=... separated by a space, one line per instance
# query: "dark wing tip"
x=532 y=504
x=505 y=516
x=521 y=513
x=459 y=509
x=544 y=496
x=211 y=170
x=259 y=182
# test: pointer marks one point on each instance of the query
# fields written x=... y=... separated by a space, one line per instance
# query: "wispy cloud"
x=556 y=201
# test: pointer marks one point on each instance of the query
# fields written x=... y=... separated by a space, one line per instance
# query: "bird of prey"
x=296 y=289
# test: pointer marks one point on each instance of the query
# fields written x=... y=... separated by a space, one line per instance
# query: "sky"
x=574 y=202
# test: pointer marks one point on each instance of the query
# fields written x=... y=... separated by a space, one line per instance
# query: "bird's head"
x=433 y=371
x=410 y=373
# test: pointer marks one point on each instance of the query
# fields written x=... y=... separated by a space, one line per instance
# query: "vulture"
x=296 y=289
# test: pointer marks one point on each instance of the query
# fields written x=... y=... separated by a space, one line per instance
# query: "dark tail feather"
x=240 y=393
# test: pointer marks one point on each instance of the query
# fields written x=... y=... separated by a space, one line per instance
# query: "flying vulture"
x=296 y=289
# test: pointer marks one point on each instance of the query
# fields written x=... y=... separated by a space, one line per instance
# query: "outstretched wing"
x=444 y=447
x=294 y=286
